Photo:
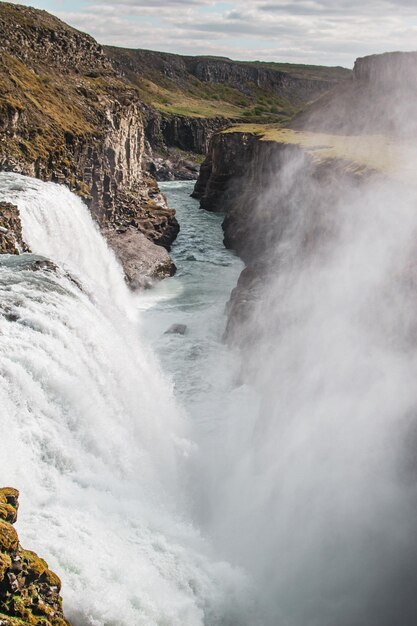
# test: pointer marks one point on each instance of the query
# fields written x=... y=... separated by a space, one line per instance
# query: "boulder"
x=143 y=261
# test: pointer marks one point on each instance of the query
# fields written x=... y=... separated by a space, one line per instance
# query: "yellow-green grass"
x=371 y=152
x=203 y=100
x=179 y=103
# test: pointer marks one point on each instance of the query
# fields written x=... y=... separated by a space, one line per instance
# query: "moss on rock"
x=29 y=590
x=9 y=540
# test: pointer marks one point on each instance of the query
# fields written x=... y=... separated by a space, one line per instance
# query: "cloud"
x=330 y=32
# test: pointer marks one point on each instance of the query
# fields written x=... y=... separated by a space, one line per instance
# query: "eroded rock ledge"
x=11 y=239
x=29 y=590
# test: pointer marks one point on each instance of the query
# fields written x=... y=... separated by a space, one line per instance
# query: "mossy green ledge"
x=29 y=590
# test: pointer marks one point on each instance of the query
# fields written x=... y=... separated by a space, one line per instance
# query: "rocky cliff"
x=175 y=144
x=210 y=87
x=332 y=145
x=187 y=99
x=391 y=68
x=67 y=116
x=381 y=98
x=29 y=591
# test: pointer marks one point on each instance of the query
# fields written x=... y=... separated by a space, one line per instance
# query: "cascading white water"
x=92 y=436
x=312 y=494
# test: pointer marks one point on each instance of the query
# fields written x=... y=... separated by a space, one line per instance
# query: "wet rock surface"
x=29 y=590
x=11 y=239
x=176 y=329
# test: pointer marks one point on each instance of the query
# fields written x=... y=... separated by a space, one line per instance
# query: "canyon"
x=83 y=115
x=362 y=131
x=185 y=464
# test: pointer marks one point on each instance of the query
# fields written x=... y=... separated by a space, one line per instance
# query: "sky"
x=325 y=32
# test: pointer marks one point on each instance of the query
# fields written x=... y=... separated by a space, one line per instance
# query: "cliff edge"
x=364 y=129
x=67 y=116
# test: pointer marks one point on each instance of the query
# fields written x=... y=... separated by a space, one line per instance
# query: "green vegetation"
x=34 y=599
x=174 y=85
x=205 y=100
x=362 y=152
x=53 y=106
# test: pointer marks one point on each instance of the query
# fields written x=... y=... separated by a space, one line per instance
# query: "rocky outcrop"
x=172 y=165
x=56 y=43
x=238 y=169
x=189 y=134
x=143 y=262
x=228 y=160
x=29 y=590
x=11 y=239
x=68 y=117
x=380 y=99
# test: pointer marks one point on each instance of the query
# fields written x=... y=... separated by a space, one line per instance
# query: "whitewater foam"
x=92 y=436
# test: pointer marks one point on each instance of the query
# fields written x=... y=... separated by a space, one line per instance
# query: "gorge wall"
x=243 y=173
x=68 y=117
x=187 y=99
x=107 y=122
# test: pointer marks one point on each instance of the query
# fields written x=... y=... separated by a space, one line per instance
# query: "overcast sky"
x=329 y=32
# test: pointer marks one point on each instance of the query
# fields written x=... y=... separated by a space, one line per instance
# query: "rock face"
x=242 y=174
x=29 y=591
x=239 y=75
x=11 y=241
x=389 y=68
x=190 y=134
x=287 y=81
x=228 y=159
x=68 y=117
x=381 y=98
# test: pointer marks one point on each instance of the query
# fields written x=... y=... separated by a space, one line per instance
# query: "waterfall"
x=91 y=433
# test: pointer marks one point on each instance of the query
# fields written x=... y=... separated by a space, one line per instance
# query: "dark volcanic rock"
x=190 y=134
x=171 y=165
